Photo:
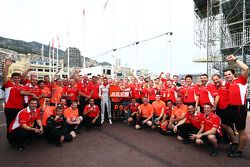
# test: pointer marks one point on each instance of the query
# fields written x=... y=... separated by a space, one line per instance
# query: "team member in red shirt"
x=212 y=131
x=47 y=81
x=14 y=94
x=95 y=91
x=237 y=103
x=193 y=123
x=46 y=91
x=188 y=91
x=133 y=110
x=206 y=93
x=151 y=92
x=71 y=91
x=221 y=110
x=169 y=92
x=91 y=114
x=26 y=124
x=136 y=90
x=84 y=91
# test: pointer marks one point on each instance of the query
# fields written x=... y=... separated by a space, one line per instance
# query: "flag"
x=53 y=45
x=58 y=41
x=105 y=5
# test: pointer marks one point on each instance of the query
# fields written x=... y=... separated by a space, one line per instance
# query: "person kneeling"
x=146 y=111
x=72 y=117
x=91 y=115
x=26 y=125
x=133 y=109
x=56 y=129
x=212 y=130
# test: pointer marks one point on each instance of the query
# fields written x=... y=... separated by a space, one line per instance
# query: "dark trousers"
x=87 y=122
x=10 y=115
x=54 y=135
x=83 y=103
x=185 y=130
x=98 y=102
x=19 y=136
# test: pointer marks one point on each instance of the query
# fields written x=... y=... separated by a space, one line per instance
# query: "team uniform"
x=87 y=118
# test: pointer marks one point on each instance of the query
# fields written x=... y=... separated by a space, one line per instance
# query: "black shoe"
x=214 y=152
x=77 y=131
x=235 y=154
x=58 y=144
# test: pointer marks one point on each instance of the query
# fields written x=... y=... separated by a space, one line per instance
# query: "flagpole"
x=49 y=63
x=53 y=59
x=57 y=59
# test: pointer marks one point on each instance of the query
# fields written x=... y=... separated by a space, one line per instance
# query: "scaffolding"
x=222 y=28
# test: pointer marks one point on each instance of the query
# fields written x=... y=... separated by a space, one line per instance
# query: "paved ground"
x=116 y=145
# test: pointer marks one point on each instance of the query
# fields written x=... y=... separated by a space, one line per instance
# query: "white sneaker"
x=102 y=121
x=137 y=127
x=110 y=122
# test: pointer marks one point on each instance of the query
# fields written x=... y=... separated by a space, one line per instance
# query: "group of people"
x=58 y=108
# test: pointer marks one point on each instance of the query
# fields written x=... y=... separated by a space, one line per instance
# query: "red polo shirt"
x=223 y=92
x=136 y=90
x=32 y=89
x=95 y=111
x=95 y=88
x=68 y=90
x=25 y=116
x=188 y=93
x=238 y=91
x=212 y=121
x=196 y=119
x=207 y=93
x=132 y=107
x=12 y=95
x=169 y=94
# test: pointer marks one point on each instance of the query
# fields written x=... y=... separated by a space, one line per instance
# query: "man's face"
x=182 y=82
x=204 y=80
x=63 y=102
x=145 y=101
x=175 y=78
x=74 y=106
x=191 y=109
x=16 y=79
x=46 y=79
x=133 y=101
x=32 y=105
x=59 y=112
x=178 y=102
x=157 y=97
x=105 y=81
x=228 y=75
x=188 y=81
x=169 y=84
x=72 y=82
x=41 y=85
x=207 y=109
x=33 y=82
x=169 y=104
x=91 y=102
x=216 y=80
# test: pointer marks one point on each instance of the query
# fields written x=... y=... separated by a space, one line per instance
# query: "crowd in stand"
x=58 y=108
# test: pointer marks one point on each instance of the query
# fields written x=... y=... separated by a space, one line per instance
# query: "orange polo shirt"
x=177 y=112
x=70 y=113
x=158 y=106
x=146 y=110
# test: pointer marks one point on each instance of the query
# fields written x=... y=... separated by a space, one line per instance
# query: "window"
x=108 y=72
x=103 y=71
x=46 y=70
x=47 y=64
x=40 y=69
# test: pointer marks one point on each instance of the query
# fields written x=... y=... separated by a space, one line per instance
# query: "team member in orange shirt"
x=71 y=91
x=46 y=92
x=91 y=114
x=47 y=111
x=178 y=113
x=72 y=117
x=57 y=89
x=159 y=108
x=146 y=112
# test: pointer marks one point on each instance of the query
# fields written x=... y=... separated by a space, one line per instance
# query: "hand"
x=192 y=137
x=175 y=129
x=93 y=121
x=143 y=122
x=198 y=136
x=41 y=131
x=37 y=130
x=56 y=117
x=34 y=95
x=8 y=62
x=230 y=58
